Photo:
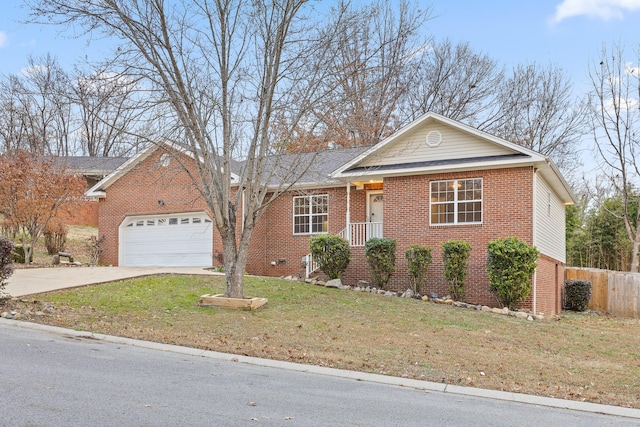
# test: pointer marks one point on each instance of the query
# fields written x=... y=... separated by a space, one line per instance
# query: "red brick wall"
x=549 y=284
x=80 y=212
x=507 y=211
x=138 y=193
x=273 y=238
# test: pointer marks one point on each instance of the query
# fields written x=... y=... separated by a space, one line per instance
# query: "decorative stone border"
x=364 y=287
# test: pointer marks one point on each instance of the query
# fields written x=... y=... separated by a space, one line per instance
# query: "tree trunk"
x=235 y=261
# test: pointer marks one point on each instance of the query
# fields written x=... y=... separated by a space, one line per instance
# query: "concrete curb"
x=341 y=373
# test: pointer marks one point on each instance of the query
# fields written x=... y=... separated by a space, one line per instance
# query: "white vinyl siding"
x=549 y=236
x=457 y=201
x=455 y=145
x=171 y=240
x=310 y=214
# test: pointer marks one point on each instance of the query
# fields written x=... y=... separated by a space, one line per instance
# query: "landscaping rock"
x=485 y=308
x=407 y=294
x=381 y=291
x=363 y=283
x=505 y=310
x=433 y=295
x=334 y=283
x=530 y=318
x=4 y=314
x=389 y=294
x=496 y=310
x=449 y=301
x=425 y=298
x=521 y=315
x=40 y=313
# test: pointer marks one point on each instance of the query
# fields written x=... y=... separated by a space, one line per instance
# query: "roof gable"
x=98 y=190
x=436 y=142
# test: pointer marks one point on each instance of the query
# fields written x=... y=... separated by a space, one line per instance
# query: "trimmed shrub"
x=511 y=265
x=6 y=260
x=577 y=294
x=332 y=253
x=18 y=255
x=55 y=236
x=381 y=258
x=419 y=258
x=455 y=254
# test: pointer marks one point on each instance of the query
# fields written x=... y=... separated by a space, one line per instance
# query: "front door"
x=376 y=206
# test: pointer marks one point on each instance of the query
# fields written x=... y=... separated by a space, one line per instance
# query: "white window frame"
x=310 y=215
x=456 y=202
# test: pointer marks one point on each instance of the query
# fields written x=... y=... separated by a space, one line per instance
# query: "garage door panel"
x=172 y=240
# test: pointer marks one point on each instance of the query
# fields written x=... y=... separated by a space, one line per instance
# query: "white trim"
x=348 y=214
x=293 y=214
x=456 y=203
x=437 y=117
x=98 y=189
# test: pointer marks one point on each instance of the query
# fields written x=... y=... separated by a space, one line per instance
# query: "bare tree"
x=36 y=108
x=222 y=71
x=614 y=102
x=454 y=81
x=378 y=52
x=108 y=110
x=13 y=129
x=536 y=109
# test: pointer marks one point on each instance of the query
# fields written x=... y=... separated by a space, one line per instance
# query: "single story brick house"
x=433 y=180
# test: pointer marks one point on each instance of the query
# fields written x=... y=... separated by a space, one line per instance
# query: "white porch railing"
x=357 y=233
x=310 y=266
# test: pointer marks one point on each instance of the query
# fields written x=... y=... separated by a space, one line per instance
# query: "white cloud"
x=599 y=9
x=4 y=40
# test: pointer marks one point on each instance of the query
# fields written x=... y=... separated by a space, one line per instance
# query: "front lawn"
x=579 y=356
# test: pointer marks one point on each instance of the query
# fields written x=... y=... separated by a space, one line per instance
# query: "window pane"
x=301 y=224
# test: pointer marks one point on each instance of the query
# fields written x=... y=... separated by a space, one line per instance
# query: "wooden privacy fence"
x=616 y=292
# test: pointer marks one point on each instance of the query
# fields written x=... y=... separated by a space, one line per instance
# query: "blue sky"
x=567 y=33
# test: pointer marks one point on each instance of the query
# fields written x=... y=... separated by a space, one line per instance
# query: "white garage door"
x=184 y=240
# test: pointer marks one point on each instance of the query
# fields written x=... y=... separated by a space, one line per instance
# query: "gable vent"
x=434 y=138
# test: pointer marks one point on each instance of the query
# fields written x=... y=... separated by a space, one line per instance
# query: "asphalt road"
x=58 y=379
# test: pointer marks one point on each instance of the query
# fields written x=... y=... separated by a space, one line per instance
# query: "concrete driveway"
x=28 y=281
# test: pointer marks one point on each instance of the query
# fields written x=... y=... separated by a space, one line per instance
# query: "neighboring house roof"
x=88 y=165
x=434 y=143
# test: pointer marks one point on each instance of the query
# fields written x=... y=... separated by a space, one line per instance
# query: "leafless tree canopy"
x=455 y=81
x=615 y=126
x=536 y=109
x=48 y=111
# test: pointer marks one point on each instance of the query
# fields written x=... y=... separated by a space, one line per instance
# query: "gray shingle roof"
x=308 y=168
x=87 y=165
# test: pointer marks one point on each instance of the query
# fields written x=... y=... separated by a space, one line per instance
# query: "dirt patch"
x=77 y=245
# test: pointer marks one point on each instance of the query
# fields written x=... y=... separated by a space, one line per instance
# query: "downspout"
x=534 y=236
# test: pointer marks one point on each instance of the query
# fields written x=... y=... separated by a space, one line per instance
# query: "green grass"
x=371 y=333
